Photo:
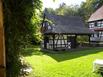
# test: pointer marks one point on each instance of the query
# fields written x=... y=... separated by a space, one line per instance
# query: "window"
x=95 y=35
x=100 y=33
x=100 y=24
x=91 y=25
x=49 y=27
x=92 y=35
x=53 y=27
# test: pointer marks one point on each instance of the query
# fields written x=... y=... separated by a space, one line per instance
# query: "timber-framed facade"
x=95 y=23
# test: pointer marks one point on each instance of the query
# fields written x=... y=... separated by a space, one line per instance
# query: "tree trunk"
x=2 y=44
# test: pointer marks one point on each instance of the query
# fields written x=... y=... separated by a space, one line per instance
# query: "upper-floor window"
x=100 y=24
x=47 y=25
x=91 y=25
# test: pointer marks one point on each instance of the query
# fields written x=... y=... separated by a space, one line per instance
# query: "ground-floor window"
x=97 y=34
x=100 y=33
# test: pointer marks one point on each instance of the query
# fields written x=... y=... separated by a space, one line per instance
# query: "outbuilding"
x=60 y=32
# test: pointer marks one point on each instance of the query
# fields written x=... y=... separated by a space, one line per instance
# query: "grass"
x=76 y=63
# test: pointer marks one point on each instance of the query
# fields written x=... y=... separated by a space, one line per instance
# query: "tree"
x=61 y=10
x=50 y=10
x=67 y=10
x=99 y=3
x=21 y=24
x=88 y=7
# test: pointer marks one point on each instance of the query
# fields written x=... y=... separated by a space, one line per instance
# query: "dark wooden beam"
x=61 y=40
x=53 y=42
x=57 y=41
x=44 y=15
x=89 y=39
x=73 y=41
x=64 y=41
x=45 y=41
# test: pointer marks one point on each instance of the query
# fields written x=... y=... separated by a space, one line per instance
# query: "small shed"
x=60 y=32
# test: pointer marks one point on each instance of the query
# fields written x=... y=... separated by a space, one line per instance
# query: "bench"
x=98 y=65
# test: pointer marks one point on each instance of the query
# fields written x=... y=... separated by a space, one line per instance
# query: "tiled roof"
x=97 y=15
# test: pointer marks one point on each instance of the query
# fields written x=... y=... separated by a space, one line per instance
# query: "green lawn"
x=77 y=63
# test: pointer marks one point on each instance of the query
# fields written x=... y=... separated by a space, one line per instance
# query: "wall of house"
x=59 y=42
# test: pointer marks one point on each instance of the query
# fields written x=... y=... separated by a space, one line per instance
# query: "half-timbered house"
x=60 y=32
x=96 y=24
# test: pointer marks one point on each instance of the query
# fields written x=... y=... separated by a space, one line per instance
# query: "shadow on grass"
x=74 y=54
x=62 y=56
